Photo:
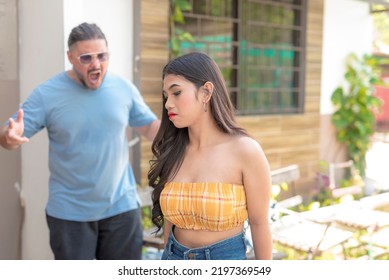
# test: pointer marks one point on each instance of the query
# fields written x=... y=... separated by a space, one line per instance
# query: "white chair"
x=371 y=223
x=309 y=236
x=344 y=171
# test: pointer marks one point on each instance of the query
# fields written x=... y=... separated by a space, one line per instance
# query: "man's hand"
x=12 y=136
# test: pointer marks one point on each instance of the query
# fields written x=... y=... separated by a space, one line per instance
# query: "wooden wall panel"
x=286 y=139
x=154 y=55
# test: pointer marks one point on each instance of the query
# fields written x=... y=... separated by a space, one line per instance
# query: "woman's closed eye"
x=166 y=95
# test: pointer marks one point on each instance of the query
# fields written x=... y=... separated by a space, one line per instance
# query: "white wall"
x=348 y=27
x=10 y=169
x=44 y=27
x=40 y=57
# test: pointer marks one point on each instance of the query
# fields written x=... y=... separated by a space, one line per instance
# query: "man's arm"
x=11 y=136
x=149 y=131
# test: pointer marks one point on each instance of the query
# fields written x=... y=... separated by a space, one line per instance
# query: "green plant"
x=146 y=217
x=178 y=35
x=355 y=106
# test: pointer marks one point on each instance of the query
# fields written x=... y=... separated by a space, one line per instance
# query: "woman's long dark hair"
x=170 y=142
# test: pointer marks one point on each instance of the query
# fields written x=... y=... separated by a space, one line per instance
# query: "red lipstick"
x=171 y=115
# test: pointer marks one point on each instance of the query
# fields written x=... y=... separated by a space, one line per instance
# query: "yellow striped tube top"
x=204 y=206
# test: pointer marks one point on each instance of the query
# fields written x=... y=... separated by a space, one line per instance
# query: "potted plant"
x=355 y=105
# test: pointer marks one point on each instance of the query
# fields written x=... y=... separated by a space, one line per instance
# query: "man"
x=92 y=210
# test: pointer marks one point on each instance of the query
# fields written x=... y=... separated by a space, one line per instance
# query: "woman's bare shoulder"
x=248 y=149
x=246 y=143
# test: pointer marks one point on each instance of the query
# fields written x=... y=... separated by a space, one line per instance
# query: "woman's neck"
x=205 y=136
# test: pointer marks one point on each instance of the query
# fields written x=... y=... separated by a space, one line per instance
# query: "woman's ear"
x=208 y=89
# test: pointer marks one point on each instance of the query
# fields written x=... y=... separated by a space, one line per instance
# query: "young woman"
x=209 y=176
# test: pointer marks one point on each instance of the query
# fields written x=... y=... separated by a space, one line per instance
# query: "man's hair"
x=85 y=31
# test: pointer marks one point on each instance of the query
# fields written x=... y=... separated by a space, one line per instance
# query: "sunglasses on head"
x=87 y=58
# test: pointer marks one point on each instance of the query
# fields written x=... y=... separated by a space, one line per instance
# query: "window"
x=259 y=46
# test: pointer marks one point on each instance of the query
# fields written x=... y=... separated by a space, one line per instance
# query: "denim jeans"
x=233 y=248
x=115 y=238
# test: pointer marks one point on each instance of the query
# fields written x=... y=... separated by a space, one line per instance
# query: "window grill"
x=259 y=46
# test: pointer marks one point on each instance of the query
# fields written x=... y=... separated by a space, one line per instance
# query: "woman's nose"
x=168 y=104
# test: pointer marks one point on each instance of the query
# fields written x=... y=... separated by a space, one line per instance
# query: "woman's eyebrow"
x=172 y=86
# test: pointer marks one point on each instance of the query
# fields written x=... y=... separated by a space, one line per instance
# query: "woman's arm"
x=257 y=183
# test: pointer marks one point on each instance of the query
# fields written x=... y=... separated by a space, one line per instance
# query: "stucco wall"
x=347 y=28
x=9 y=161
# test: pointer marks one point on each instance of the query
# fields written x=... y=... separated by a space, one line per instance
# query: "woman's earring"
x=205 y=107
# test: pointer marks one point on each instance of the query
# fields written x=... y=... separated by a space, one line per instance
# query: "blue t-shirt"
x=90 y=174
